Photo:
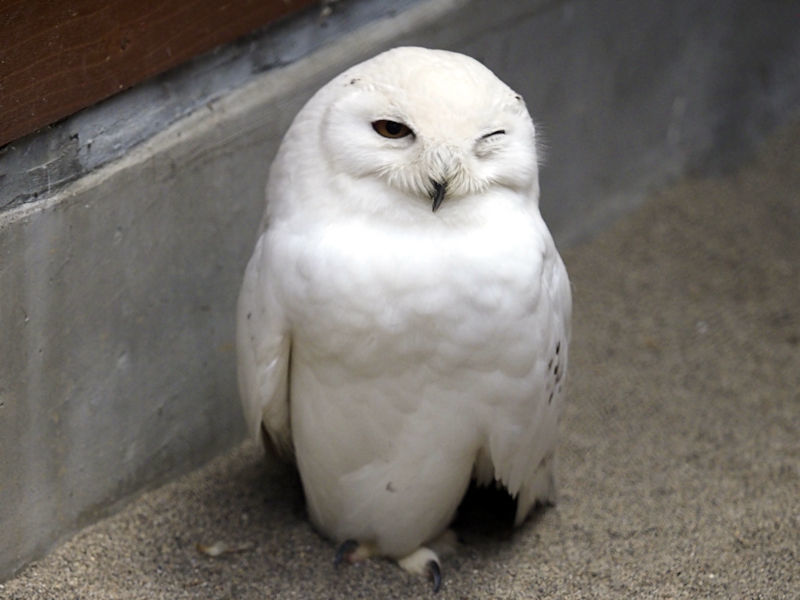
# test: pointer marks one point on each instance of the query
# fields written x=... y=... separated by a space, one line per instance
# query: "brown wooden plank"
x=59 y=57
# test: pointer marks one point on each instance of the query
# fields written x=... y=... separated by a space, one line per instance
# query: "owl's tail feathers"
x=540 y=489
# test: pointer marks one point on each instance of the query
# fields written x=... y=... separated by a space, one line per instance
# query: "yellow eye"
x=391 y=129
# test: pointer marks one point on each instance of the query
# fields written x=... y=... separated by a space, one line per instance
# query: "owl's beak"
x=439 y=191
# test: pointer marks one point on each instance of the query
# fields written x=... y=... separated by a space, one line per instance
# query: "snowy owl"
x=403 y=324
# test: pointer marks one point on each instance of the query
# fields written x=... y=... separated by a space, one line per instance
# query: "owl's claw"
x=436 y=575
x=345 y=551
x=423 y=561
x=353 y=551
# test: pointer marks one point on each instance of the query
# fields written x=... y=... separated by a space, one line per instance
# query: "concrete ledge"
x=117 y=293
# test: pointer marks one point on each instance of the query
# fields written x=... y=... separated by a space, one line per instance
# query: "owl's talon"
x=436 y=575
x=423 y=561
x=345 y=551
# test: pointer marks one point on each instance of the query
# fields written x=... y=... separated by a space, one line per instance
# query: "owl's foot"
x=423 y=561
x=351 y=551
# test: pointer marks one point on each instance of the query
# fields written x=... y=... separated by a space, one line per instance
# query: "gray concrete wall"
x=118 y=278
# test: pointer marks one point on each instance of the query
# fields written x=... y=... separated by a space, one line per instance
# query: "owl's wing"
x=264 y=347
x=523 y=438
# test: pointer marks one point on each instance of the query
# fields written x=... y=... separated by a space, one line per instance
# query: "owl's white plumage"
x=394 y=351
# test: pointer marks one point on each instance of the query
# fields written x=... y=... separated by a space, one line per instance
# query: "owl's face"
x=432 y=124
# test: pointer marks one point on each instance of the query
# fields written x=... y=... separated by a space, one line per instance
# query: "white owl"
x=404 y=319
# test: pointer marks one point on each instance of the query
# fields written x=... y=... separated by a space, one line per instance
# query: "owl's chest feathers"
x=360 y=293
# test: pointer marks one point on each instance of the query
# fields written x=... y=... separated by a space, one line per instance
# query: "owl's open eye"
x=391 y=129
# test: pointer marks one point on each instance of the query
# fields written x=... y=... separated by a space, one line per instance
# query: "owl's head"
x=431 y=124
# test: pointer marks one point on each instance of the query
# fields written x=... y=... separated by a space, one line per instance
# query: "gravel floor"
x=680 y=461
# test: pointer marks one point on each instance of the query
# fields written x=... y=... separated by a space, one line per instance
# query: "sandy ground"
x=680 y=462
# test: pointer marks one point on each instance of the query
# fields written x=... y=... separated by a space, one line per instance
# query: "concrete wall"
x=118 y=279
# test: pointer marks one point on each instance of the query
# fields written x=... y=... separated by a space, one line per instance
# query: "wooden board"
x=59 y=57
